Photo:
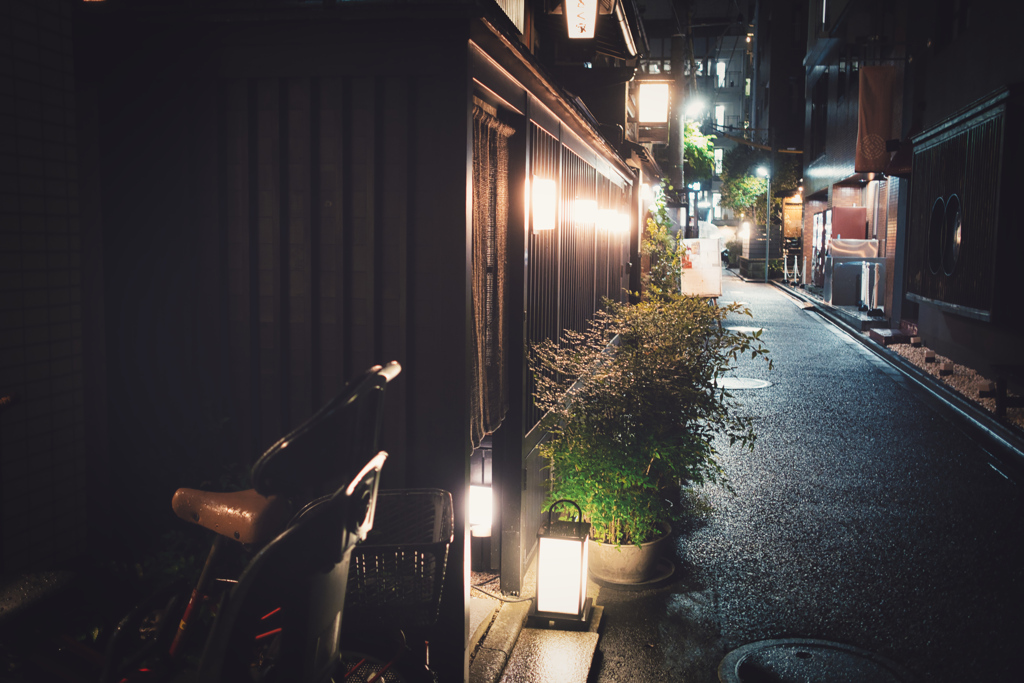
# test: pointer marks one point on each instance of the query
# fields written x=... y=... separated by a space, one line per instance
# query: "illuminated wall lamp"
x=562 y=572
x=584 y=212
x=544 y=194
x=580 y=18
x=607 y=220
x=622 y=223
x=612 y=221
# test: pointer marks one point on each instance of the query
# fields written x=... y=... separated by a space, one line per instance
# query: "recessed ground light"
x=741 y=383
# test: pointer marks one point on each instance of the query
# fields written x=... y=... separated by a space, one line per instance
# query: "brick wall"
x=42 y=453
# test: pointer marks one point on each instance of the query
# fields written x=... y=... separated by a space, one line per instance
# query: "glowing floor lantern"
x=480 y=505
x=562 y=569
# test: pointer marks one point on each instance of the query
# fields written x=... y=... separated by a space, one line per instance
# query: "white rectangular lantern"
x=562 y=569
x=480 y=506
x=580 y=17
x=654 y=101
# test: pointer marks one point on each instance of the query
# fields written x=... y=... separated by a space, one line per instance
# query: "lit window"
x=716 y=198
x=720 y=73
x=746 y=88
x=720 y=115
x=718 y=160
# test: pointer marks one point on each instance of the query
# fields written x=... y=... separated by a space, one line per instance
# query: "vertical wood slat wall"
x=316 y=254
x=964 y=164
x=574 y=266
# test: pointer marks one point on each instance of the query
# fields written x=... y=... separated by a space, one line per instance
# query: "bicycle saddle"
x=244 y=516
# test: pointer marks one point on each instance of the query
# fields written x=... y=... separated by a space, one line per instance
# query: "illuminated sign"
x=581 y=15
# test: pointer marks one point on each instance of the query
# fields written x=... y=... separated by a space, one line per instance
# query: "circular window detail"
x=935 y=227
x=952 y=233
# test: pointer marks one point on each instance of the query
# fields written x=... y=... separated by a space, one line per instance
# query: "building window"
x=718 y=160
x=716 y=199
x=746 y=88
x=720 y=115
x=720 y=74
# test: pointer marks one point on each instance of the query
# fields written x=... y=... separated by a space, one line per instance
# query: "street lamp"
x=763 y=172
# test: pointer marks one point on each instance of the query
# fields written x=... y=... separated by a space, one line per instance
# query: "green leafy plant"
x=698 y=153
x=743 y=191
x=662 y=249
x=735 y=248
x=635 y=409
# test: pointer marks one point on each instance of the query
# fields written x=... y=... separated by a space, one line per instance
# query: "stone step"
x=547 y=655
x=887 y=336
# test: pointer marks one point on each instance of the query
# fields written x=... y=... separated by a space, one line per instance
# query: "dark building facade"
x=963 y=113
x=844 y=38
x=215 y=213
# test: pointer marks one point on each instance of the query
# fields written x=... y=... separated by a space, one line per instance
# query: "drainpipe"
x=627 y=34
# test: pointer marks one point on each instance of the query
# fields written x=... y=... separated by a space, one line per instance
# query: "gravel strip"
x=964 y=380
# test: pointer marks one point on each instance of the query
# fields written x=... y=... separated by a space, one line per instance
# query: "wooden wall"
x=50 y=433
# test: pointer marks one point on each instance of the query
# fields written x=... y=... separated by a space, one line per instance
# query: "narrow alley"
x=863 y=516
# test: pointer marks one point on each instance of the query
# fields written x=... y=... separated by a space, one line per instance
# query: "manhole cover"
x=744 y=330
x=800 y=660
x=741 y=383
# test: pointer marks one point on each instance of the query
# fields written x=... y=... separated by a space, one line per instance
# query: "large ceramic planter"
x=627 y=564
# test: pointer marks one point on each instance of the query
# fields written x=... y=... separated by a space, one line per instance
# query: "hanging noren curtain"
x=874 y=118
x=489 y=399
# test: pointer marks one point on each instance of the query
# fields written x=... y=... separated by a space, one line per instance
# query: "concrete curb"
x=493 y=655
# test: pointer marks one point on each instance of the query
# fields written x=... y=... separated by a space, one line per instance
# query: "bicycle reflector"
x=562 y=571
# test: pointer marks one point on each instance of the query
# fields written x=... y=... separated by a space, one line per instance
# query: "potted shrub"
x=634 y=411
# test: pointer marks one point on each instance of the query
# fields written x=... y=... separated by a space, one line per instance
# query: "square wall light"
x=584 y=212
x=544 y=198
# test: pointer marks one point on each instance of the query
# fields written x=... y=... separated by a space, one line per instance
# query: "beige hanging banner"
x=874 y=120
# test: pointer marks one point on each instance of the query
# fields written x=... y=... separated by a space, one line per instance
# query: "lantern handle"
x=579 y=511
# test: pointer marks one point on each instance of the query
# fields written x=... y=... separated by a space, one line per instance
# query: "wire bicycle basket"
x=397 y=573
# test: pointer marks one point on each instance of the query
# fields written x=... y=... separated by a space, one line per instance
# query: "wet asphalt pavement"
x=864 y=515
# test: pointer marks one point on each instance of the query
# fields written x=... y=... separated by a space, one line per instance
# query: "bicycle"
x=396 y=577
x=281 y=618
